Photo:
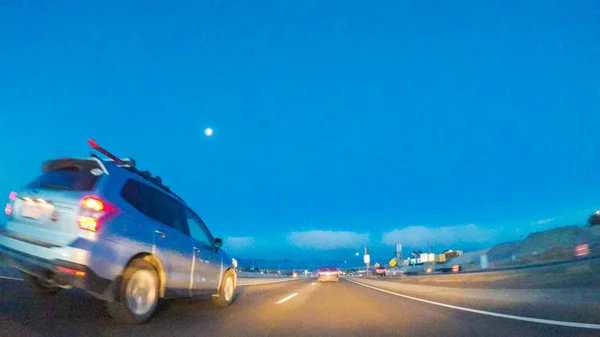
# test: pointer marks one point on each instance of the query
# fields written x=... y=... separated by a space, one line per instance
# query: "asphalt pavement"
x=294 y=308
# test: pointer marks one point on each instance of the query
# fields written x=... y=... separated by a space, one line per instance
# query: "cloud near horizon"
x=421 y=236
x=327 y=240
x=544 y=221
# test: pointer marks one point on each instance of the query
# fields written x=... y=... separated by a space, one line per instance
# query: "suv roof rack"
x=129 y=165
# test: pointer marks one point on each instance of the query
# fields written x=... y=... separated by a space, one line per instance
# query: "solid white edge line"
x=11 y=278
x=489 y=313
x=287 y=298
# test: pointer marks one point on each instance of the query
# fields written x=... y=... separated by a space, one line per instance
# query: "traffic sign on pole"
x=367 y=258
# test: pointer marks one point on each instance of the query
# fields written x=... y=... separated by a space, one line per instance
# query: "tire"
x=41 y=287
x=140 y=283
x=225 y=295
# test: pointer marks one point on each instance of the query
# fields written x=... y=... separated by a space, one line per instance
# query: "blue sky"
x=452 y=124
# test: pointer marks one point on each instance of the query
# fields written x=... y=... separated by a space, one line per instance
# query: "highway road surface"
x=303 y=307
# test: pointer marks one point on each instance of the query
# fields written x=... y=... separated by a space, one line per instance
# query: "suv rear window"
x=68 y=174
x=67 y=178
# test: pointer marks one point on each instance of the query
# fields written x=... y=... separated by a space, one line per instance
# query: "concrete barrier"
x=256 y=281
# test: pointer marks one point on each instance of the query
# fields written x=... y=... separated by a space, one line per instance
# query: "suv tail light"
x=9 y=206
x=92 y=212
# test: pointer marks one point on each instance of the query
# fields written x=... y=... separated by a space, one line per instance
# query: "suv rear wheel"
x=138 y=294
x=225 y=295
x=40 y=286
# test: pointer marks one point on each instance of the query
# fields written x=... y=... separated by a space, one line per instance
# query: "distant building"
x=427 y=257
x=452 y=253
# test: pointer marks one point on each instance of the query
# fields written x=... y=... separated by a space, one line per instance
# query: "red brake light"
x=93 y=203
x=12 y=195
x=8 y=209
x=93 y=210
x=88 y=223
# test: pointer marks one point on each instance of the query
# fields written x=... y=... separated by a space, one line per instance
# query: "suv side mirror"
x=218 y=243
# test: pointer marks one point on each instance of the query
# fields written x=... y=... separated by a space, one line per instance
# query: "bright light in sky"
x=208 y=132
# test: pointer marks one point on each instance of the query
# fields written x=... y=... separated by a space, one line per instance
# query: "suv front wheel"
x=226 y=293
x=138 y=294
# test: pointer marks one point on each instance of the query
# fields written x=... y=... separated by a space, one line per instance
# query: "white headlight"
x=234 y=262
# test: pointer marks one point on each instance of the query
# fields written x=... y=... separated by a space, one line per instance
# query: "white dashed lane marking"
x=283 y=300
x=11 y=278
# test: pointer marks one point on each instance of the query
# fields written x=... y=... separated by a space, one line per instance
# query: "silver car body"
x=81 y=229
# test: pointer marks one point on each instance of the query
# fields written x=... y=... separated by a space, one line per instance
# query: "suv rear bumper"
x=64 y=274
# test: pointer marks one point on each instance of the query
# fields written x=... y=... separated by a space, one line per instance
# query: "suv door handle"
x=161 y=234
x=197 y=250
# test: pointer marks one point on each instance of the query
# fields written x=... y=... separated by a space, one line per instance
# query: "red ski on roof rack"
x=100 y=149
x=129 y=164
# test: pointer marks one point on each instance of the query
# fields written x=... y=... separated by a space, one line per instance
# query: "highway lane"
x=294 y=308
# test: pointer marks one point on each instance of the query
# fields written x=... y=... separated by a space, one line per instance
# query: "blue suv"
x=103 y=226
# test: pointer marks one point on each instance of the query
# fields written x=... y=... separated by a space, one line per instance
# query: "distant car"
x=381 y=271
x=117 y=233
x=329 y=274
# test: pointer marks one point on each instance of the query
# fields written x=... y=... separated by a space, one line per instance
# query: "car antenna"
x=100 y=149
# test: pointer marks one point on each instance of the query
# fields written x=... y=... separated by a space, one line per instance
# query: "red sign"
x=582 y=250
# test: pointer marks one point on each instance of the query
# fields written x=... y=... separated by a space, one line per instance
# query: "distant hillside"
x=504 y=251
x=553 y=244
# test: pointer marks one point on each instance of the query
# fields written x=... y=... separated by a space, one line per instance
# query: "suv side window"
x=138 y=196
x=155 y=204
x=169 y=211
x=198 y=230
